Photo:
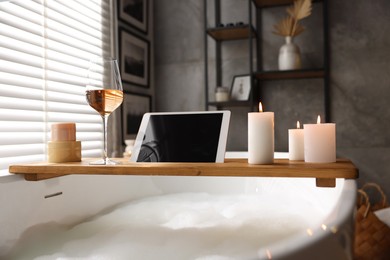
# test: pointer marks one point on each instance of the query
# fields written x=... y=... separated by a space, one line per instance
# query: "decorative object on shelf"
x=135 y=13
x=231 y=25
x=241 y=88
x=289 y=27
x=134 y=107
x=261 y=137
x=129 y=148
x=134 y=58
x=289 y=56
x=221 y=94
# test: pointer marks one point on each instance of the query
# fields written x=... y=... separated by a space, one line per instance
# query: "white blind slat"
x=21 y=104
x=87 y=14
x=72 y=51
x=45 y=47
x=14 y=126
x=72 y=41
x=66 y=25
x=66 y=88
x=22 y=24
x=20 y=35
x=68 y=117
x=65 y=97
x=21 y=150
x=21 y=92
x=21 y=69
x=21 y=115
x=33 y=6
x=20 y=58
x=65 y=68
x=13 y=138
x=69 y=108
x=20 y=80
x=52 y=55
x=33 y=16
x=20 y=46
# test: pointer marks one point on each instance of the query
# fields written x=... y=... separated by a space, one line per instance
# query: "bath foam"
x=177 y=226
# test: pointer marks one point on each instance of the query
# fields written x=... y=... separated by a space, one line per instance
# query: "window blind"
x=45 y=46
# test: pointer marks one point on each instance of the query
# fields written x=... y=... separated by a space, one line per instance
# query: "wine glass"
x=104 y=93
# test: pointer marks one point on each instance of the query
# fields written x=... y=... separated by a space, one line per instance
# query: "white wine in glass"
x=104 y=93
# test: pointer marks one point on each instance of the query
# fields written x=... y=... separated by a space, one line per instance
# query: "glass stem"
x=105 y=157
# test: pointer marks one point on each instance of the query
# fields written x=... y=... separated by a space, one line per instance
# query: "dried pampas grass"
x=289 y=25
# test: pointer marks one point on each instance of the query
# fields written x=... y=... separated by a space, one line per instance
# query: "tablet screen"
x=181 y=138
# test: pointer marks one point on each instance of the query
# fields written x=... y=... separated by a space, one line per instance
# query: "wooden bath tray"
x=325 y=174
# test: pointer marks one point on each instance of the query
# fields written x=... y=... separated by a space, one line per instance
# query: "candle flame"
x=268 y=254
x=260 y=107
x=318 y=119
x=298 y=125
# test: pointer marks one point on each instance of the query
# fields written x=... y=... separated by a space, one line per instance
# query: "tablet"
x=182 y=137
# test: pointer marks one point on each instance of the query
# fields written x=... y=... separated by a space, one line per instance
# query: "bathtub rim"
x=280 y=248
x=343 y=209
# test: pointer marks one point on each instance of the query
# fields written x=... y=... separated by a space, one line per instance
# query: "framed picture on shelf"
x=241 y=88
x=135 y=13
x=134 y=59
x=133 y=108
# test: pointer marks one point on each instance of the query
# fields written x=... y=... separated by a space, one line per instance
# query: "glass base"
x=105 y=161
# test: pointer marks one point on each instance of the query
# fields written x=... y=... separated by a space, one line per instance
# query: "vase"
x=289 y=55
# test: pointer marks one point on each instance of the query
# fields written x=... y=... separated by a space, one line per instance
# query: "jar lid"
x=221 y=89
x=63 y=132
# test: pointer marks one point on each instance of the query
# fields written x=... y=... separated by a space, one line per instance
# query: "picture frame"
x=134 y=58
x=134 y=107
x=241 y=88
x=135 y=13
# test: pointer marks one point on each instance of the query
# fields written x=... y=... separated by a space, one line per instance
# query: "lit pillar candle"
x=260 y=137
x=296 y=143
x=320 y=142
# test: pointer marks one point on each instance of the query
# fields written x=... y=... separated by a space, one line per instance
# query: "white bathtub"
x=25 y=212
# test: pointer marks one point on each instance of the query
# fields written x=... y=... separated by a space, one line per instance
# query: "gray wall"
x=360 y=74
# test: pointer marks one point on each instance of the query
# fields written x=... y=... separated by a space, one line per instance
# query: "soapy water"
x=175 y=226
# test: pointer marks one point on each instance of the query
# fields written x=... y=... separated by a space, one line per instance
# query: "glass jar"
x=221 y=94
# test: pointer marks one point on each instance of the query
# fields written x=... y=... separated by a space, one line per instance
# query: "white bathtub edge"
x=339 y=233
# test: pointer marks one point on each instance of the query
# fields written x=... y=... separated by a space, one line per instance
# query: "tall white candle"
x=320 y=142
x=296 y=144
x=260 y=137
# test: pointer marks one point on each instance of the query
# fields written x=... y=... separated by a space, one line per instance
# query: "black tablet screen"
x=181 y=138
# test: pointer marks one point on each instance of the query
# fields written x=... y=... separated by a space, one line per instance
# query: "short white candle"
x=296 y=144
x=320 y=142
x=260 y=137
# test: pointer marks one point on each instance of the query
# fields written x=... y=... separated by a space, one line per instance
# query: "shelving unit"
x=253 y=36
x=222 y=34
